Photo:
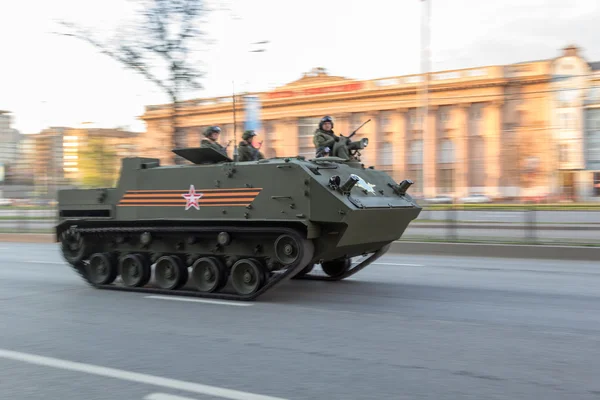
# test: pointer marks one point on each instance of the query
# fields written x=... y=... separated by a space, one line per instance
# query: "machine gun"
x=356 y=130
x=354 y=147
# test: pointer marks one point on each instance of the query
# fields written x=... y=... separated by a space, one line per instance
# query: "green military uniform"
x=324 y=139
x=213 y=144
x=246 y=152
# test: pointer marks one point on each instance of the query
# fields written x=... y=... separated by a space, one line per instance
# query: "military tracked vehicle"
x=230 y=230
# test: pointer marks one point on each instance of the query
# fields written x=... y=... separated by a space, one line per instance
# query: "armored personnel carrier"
x=230 y=230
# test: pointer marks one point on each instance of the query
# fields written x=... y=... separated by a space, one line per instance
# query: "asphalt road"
x=413 y=327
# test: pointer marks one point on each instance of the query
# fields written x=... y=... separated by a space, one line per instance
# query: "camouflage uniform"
x=328 y=143
x=213 y=144
x=246 y=152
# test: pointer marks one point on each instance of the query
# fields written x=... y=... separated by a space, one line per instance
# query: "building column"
x=342 y=124
x=430 y=153
x=286 y=137
x=461 y=142
x=399 y=143
x=492 y=113
x=371 y=155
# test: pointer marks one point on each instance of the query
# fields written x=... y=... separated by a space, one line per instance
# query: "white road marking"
x=164 y=396
x=133 y=376
x=399 y=264
x=192 y=300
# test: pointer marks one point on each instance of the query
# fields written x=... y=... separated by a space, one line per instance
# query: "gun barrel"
x=356 y=130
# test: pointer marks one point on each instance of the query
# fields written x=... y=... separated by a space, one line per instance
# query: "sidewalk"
x=26 y=238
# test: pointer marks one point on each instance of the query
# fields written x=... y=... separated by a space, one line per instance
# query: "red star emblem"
x=192 y=198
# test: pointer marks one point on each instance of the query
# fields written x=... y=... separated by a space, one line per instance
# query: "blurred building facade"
x=592 y=132
x=504 y=131
x=57 y=154
x=9 y=146
x=23 y=167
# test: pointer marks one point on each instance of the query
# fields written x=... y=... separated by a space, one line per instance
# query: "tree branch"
x=165 y=33
x=128 y=57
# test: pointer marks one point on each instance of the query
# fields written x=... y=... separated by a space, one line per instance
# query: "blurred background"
x=494 y=114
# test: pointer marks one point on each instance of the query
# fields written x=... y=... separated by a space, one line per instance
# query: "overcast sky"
x=47 y=79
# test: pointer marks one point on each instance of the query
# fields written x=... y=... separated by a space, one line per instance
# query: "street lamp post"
x=245 y=90
x=425 y=66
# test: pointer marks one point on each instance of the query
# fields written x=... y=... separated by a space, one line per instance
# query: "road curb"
x=506 y=226
x=572 y=253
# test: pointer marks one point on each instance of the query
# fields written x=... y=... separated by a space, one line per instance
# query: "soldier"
x=246 y=151
x=212 y=134
x=328 y=143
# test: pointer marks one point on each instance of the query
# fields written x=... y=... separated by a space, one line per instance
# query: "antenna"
x=235 y=143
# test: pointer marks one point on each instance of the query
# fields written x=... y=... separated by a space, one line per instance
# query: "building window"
x=564 y=153
x=446 y=180
x=592 y=146
x=415 y=152
x=445 y=166
x=385 y=121
x=415 y=165
x=477 y=160
x=306 y=130
x=594 y=94
x=566 y=96
x=593 y=120
x=415 y=174
x=387 y=157
x=444 y=114
x=446 y=153
x=268 y=146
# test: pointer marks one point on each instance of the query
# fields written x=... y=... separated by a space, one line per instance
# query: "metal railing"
x=560 y=224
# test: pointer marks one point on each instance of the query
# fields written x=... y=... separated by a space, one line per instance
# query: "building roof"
x=108 y=132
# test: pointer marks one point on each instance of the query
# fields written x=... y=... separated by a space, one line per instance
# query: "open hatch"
x=202 y=155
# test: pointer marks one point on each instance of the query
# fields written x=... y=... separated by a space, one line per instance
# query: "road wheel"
x=247 y=276
x=135 y=272
x=209 y=274
x=170 y=273
x=102 y=269
x=336 y=268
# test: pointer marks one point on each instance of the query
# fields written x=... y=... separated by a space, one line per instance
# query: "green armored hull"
x=215 y=222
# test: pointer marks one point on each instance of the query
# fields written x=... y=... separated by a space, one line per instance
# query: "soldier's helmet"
x=212 y=129
x=327 y=118
x=248 y=134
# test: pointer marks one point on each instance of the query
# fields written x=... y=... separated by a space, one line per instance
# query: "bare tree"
x=160 y=48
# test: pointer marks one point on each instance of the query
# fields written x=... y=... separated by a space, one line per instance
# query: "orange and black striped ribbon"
x=174 y=198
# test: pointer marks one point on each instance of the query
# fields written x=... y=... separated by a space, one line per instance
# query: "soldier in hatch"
x=246 y=150
x=328 y=143
x=212 y=135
